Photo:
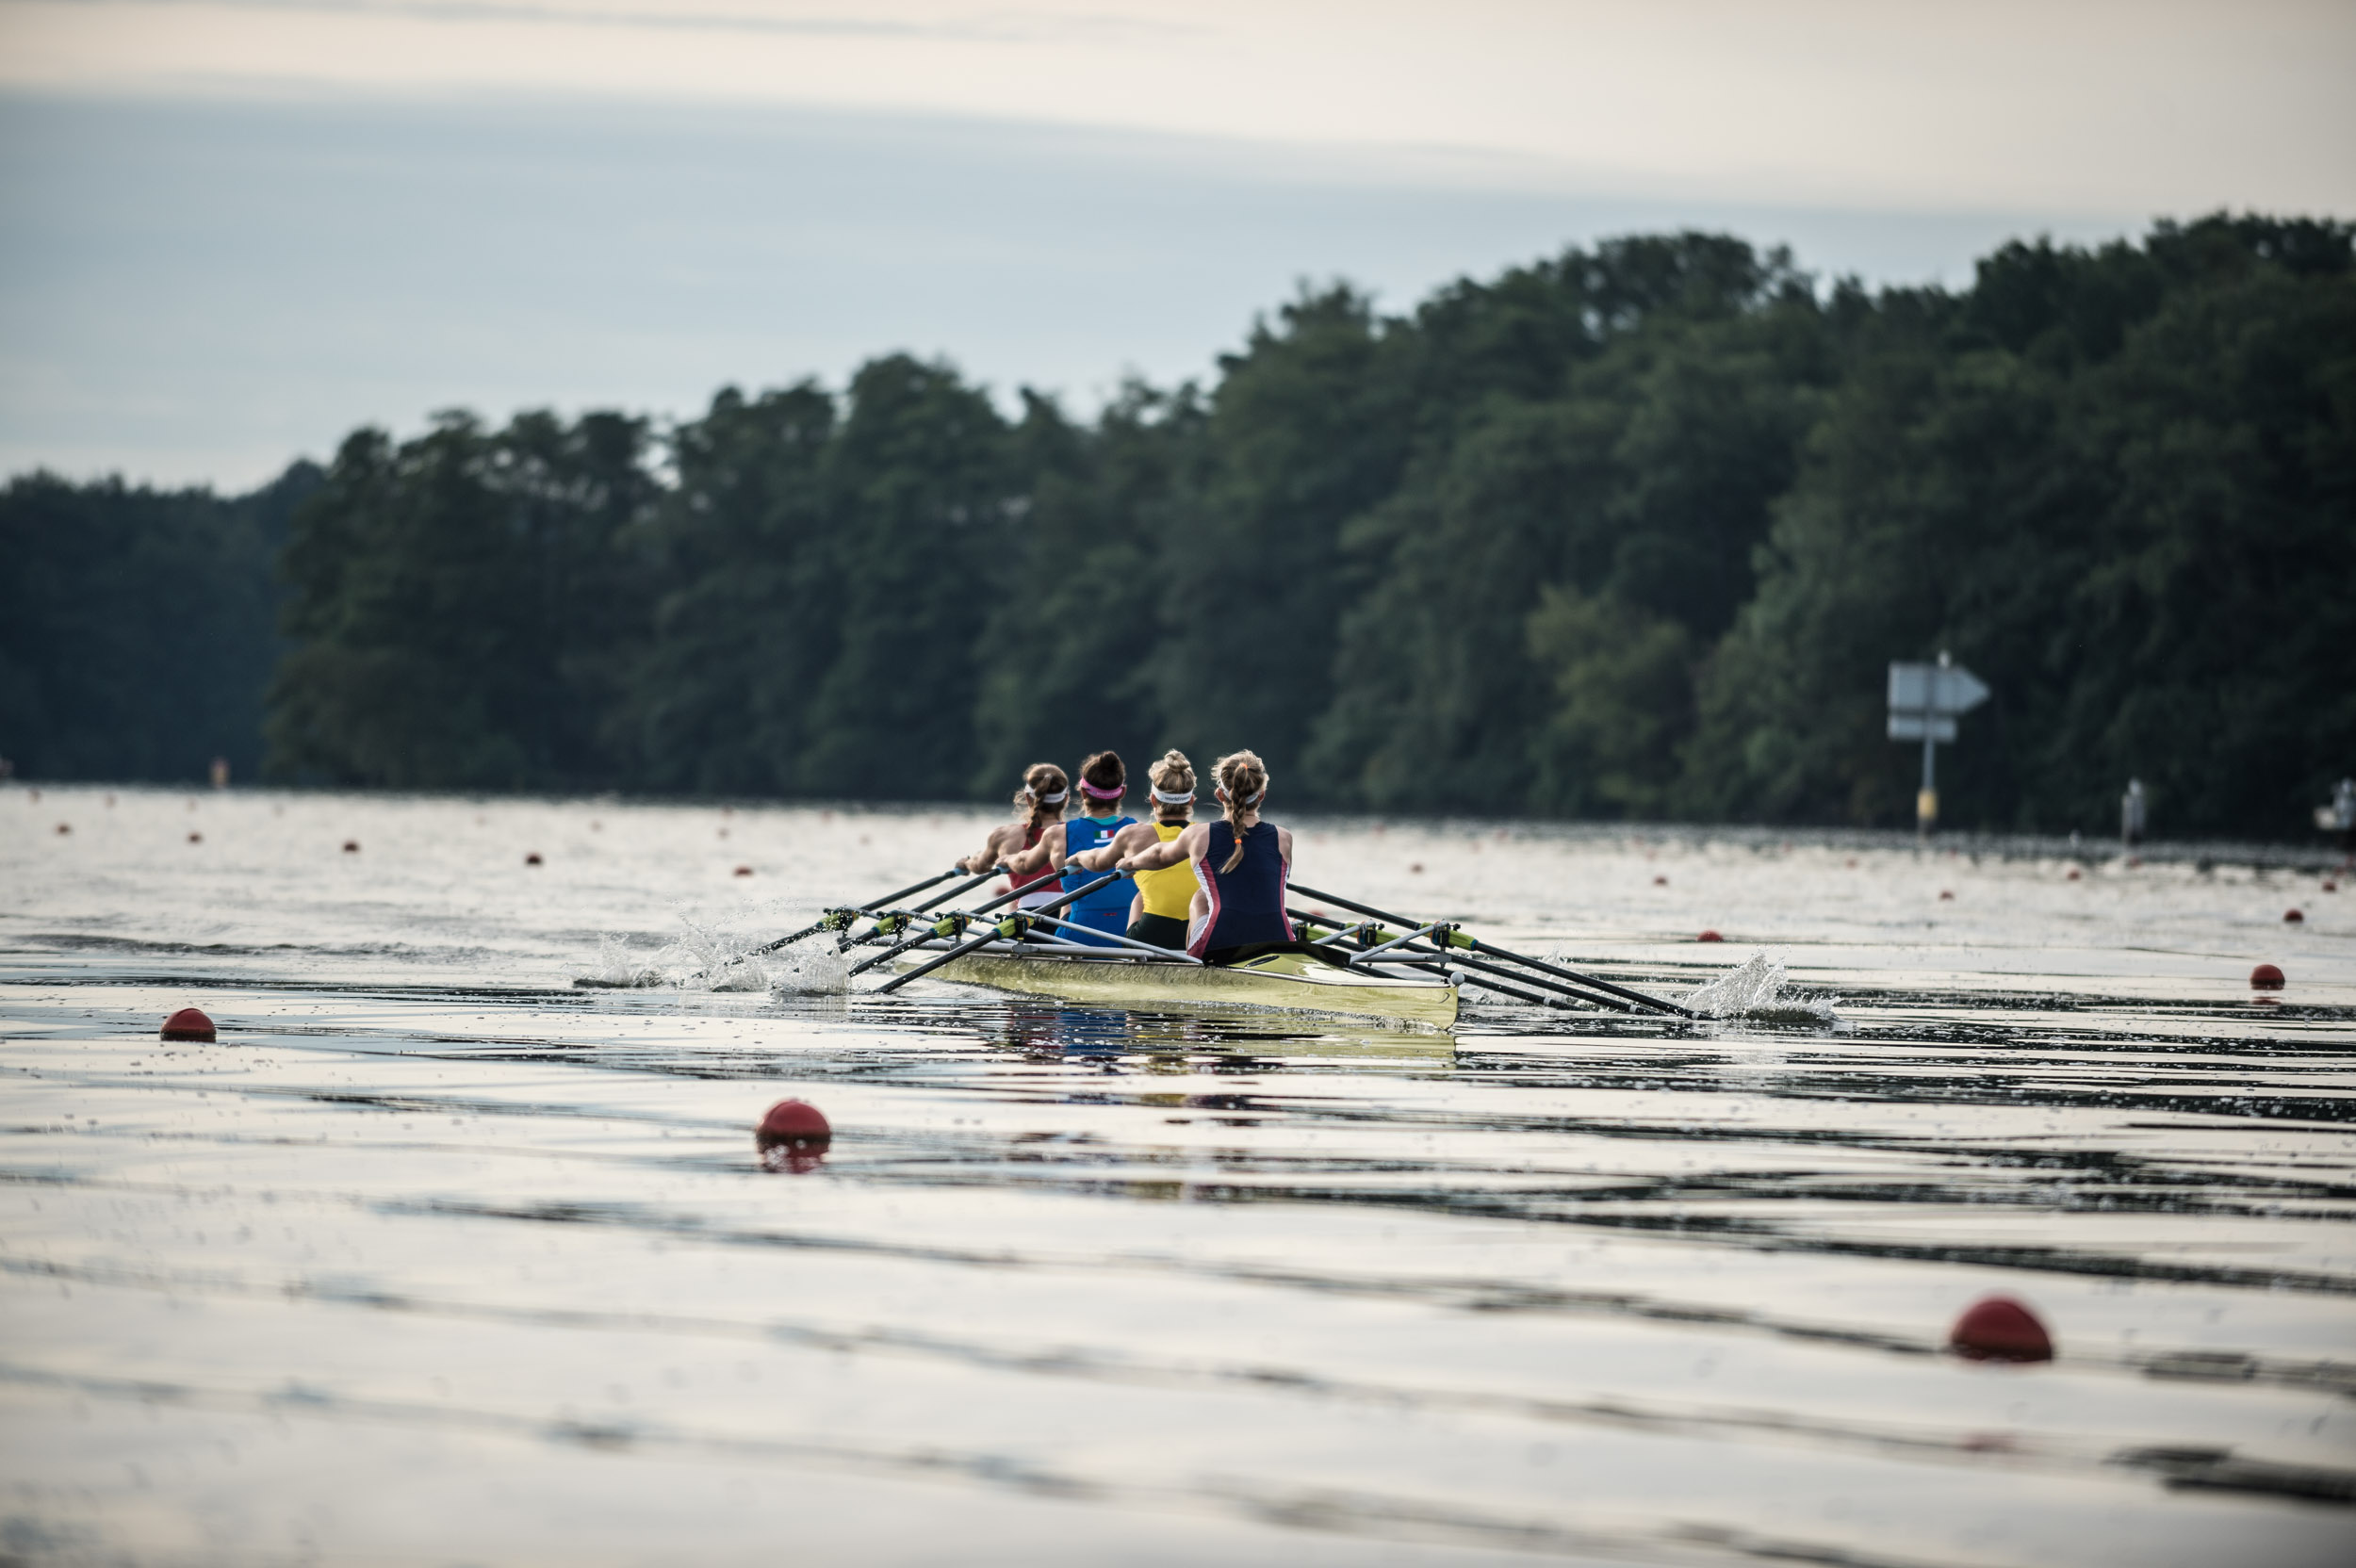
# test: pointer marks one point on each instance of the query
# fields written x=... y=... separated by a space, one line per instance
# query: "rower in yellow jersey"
x=1158 y=913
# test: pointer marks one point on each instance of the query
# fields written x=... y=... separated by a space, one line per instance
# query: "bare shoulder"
x=1285 y=843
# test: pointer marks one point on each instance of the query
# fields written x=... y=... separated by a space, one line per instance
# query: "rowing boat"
x=1285 y=982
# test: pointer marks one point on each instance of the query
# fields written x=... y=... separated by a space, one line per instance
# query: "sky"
x=232 y=231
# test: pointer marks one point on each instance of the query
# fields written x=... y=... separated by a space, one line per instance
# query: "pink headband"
x=1094 y=793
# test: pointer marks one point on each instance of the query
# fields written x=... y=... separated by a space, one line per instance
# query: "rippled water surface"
x=436 y=1257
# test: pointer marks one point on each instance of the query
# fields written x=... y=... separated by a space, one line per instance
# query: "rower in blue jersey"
x=1243 y=865
x=1105 y=783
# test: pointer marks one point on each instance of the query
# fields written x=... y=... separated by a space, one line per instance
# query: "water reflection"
x=1235 y=1041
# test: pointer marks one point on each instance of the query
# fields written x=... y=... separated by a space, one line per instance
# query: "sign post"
x=1924 y=701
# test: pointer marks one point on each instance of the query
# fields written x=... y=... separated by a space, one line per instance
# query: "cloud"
x=2020 y=105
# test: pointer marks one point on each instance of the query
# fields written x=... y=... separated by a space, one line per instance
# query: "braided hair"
x=1243 y=783
x=1041 y=797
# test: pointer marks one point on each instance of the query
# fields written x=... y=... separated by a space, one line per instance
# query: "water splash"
x=1755 y=989
x=618 y=965
x=813 y=969
x=717 y=957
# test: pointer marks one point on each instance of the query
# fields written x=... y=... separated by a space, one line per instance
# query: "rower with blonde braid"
x=1242 y=864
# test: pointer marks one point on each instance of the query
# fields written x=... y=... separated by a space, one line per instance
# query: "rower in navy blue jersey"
x=1242 y=863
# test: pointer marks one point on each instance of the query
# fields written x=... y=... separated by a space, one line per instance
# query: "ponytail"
x=1040 y=802
x=1242 y=785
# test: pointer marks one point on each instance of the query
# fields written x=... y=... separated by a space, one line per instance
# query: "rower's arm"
x=1047 y=852
x=1156 y=857
x=1127 y=841
x=987 y=856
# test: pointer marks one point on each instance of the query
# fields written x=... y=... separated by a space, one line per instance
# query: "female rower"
x=1103 y=783
x=1158 y=913
x=1242 y=864
x=1038 y=804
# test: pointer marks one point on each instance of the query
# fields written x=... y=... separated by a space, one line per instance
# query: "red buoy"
x=351 y=846
x=1710 y=937
x=2073 y=874
x=1659 y=881
x=744 y=871
x=64 y=827
x=2329 y=886
x=794 y=1136
x=1997 y=1328
x=2291 y=917
x=1946 y=895
x=532 y=858
x=1417 y=868
x=196 y=838
x=188 y=1024
x=2265 y=977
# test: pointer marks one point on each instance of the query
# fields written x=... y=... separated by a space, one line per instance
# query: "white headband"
x=1246 y=801
x=1174 y=798
x=1055 y=799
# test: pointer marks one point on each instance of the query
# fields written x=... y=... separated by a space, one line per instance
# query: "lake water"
x=435 y=1257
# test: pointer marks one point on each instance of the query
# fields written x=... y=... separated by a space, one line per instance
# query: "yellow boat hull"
x=1282 y=981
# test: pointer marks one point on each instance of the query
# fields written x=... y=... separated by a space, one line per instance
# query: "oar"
x=995 y=932
x=1534 y=998
x=833 y=917
x=1458 y=962
x=878 y=913
x=826 y=922
x=935 y=928
x=1164 y=954
x=1474 y=944
x=957 y=892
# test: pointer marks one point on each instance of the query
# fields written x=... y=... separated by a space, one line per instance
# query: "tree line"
x=1627 y=533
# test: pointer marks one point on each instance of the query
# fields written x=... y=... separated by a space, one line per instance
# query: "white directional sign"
x=1933 y=689
x=1923 y=702
x=1910 y=727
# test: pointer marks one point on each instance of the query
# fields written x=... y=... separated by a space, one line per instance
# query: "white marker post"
x=1924 y=701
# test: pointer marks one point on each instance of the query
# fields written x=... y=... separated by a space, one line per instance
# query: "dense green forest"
x=1627 y=533
x=138 y=628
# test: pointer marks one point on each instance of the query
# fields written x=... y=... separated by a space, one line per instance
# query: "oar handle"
x=994 y=933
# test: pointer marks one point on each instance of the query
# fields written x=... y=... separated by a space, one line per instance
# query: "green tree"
x=137 y=627
x=1307 y=429
x=744 y=612
x=460 y=607
x=1075 y=634
x=1638 y=466
x=2117 y=484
